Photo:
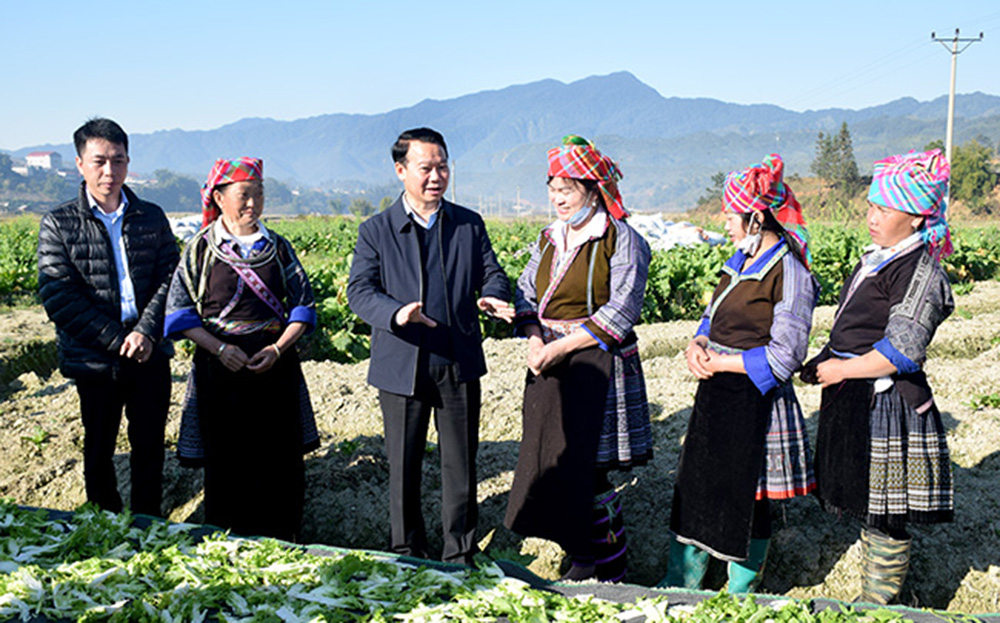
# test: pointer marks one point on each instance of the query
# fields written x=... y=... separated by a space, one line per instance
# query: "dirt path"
x=955 y=566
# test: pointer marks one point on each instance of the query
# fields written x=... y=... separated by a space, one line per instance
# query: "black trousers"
x=143 y=389
x=456 y=417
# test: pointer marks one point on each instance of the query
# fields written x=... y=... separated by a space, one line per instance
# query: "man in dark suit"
x=105 y=260
x=422 y=271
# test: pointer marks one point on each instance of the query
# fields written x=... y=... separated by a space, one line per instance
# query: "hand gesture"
x=830 y=372
x=263 y=360
x=413 y=312
x=233 y=358
x=698 y=359
x=541 y=359
x=137 y=346
x=496 y=308
x=535 y=345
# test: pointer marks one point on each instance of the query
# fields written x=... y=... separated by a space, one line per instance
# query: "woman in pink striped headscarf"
x=746 y=442
x=881 y=452
x=585 y=410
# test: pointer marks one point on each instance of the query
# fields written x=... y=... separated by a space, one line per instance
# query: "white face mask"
x=751 y=242
x=580 y=216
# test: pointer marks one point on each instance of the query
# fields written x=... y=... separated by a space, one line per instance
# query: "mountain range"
x=667 y=147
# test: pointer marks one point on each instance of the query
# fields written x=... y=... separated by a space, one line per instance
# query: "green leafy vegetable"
x=97 y=566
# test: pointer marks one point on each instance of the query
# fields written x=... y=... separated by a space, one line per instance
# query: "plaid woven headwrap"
x=226 y=172
x=762 y=187
x=578 y=159
x=917 y=183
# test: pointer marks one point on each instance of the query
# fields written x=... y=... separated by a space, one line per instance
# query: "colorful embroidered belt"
x=553 y=330
x=722 y=349
x=242 y=327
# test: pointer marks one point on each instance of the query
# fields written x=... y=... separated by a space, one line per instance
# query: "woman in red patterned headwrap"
x=242 y=296
x=585 y=410
x=746 y=441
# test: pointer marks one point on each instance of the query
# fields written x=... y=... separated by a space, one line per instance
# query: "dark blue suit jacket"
x=386 y=274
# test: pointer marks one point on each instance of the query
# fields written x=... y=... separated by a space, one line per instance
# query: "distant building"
x=44 y=160
x=139 y=179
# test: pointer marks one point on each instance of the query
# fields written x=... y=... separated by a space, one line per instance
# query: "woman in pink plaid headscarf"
x=243 y=298
x=585 y=410
x=746 y=442
x=226 y=172
x=881 y=451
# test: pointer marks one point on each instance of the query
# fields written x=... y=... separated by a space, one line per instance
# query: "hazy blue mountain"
x=667 y=147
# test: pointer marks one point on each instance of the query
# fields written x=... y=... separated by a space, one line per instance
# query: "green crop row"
x=680 y=280
x=18 y=243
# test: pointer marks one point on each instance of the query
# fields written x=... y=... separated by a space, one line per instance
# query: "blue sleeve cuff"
x=703 y=327
x=600 y=342
x=305 y=315
x=181 y=320
x=759 y=371
x=904 y=364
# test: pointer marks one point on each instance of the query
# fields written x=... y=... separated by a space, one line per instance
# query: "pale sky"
x=201 y=65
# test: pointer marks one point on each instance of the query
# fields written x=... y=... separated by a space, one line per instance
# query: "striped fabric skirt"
x=586 y=413
x=909 y=472
x=788 y=466
x=626 y=434
x=880 y=460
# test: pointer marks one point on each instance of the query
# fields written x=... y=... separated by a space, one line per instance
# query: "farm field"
x=954 y=567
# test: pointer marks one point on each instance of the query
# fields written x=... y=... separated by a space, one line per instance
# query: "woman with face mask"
x=881 y=452
x=746 y=441
x=585 y=411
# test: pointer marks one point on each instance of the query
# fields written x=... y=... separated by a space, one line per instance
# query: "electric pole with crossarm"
x=951 y=95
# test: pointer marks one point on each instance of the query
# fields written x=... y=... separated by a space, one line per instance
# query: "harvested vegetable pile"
x=97 y=566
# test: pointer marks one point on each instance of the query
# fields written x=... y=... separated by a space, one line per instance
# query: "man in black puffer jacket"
x=104 y=265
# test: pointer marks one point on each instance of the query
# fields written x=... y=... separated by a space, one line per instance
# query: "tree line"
x=175 y=192
x=973 y=170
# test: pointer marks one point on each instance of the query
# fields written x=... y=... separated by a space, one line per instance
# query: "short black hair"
x=99 y=127
x=423 y=135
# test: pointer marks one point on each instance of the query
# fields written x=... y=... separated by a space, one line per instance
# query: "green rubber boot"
x=745 y=576
x=686 y=566
x=885 y=564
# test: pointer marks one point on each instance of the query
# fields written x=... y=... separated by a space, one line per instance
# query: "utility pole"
x=451 y=178
x=951 y=95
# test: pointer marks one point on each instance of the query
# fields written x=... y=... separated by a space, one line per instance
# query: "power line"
x=914 y=60
x=893 y=61
x=841 y=82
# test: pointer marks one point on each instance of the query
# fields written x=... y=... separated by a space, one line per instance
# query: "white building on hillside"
x=44 y=160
